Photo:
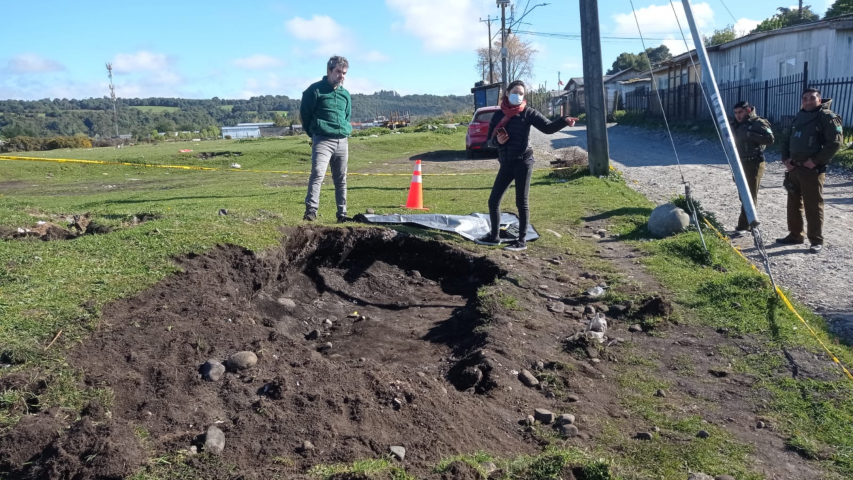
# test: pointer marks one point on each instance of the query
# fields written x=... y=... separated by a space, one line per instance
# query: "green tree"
x=280 y=120
x=787 y=17
x=721 y=36
x=640 y=61
x=840 y=7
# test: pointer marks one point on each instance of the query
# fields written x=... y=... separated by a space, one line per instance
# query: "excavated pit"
x=358 y=333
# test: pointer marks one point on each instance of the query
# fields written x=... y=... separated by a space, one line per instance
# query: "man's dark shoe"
x=487 y=240
x=516 y=246
x=790 y=240
x=344 y=218
x=309 y=216
x=816 y=248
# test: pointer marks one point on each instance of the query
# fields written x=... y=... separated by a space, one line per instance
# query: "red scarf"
x=509 y=112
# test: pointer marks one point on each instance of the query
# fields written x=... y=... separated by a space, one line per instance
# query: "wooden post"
x=596 y=106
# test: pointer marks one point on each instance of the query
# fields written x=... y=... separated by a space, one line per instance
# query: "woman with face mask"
x=509 y=132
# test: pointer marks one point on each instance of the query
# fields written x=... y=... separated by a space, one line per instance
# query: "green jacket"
x=815 y=134
x=752 y=137
x=326 y=110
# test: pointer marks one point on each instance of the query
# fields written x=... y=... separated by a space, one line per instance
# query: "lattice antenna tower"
x=113 y=96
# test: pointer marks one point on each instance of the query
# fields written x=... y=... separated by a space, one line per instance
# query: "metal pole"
x=504 y=82
x=722 y=120
x=593 y=79
x=491 y=62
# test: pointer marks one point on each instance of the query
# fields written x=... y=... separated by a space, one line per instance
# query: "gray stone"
x=566 y=419
x=307 y=446
x=242 y=360
x=528 y=378
x=325 y=347
x=703 y=434
x=543 y=416
x=636 y=328
x=214 y=440
x=573 y=398
x=212 y=370
x=327 y=323
x=699 y=476
x=539 y=365
x=660 y=393
x=616 y=310
x=529 y=420
x=313 y=335
x=370 y=211
x=543 y=287
x=643 y=436
x=667 y=220
x=589 y=310
x=656 y=429
x=488 y=467
x=568 y=430
x=760 y=424
x=592 y=352
x=557 y=307
x=287 y=303
x=398 y=452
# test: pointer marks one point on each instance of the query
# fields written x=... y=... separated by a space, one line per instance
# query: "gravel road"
x=646 y=158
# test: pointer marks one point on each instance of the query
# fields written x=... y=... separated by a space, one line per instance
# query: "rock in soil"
x=557 y=307
x=568 y=431
x=398 y=452
x=488 y=467
x=760 y=424
x=214 y=440
x=242 y=360
x=703 y=434
x=212 y=370
x=307 y=446
x=724 y=477
x=636 y=328
x=643 y=436
x=528 y=378
x=325 y=347
x=543 y=416
x=566 y=419
x=287 y=303
x=573 y=398
x=660 y=393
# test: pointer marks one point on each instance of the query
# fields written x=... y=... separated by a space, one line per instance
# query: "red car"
x=478 y=129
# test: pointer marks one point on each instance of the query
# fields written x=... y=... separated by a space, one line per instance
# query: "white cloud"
x=658 y=22
x=443 y=25
x=32 y=63
x=258 y=62
x=141 y=61
x=330 y=37
x=745 y=25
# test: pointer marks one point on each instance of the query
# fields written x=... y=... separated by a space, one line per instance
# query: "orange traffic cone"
x=416 y=191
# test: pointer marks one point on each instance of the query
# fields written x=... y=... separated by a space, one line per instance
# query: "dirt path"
x=820 y=281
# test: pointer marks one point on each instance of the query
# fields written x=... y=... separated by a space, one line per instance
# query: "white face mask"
x=516 y=98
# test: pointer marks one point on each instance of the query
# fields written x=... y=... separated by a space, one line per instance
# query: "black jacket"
x=517 y=149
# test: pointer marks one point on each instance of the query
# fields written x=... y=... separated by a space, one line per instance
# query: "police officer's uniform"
x=751 y=138
x=814 y=135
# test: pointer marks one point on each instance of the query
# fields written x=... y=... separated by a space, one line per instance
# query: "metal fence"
x=777 y=100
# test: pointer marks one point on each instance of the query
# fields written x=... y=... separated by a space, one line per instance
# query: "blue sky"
x=239 y=49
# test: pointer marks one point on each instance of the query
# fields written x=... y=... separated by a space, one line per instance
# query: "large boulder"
x=667 y=220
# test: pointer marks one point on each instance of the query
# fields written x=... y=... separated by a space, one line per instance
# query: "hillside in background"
x=141 y=116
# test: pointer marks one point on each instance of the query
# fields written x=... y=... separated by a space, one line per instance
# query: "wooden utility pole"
x=503 y=4
x=593 y=80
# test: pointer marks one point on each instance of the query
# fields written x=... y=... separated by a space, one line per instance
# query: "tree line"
x=94 y=116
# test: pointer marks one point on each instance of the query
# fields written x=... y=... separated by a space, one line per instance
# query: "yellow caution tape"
x=786 y=301
x=216 y=169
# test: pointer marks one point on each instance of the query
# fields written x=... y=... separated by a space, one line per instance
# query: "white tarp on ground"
x=472 y=226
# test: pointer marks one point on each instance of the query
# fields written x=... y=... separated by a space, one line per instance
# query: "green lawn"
x=45 y=284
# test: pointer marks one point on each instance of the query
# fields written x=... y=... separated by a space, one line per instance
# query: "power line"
x=577 y=36
x=730 y=13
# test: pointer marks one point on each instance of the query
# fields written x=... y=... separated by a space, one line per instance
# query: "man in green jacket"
x=326 y=111
x=815 y=137
x=752 y=134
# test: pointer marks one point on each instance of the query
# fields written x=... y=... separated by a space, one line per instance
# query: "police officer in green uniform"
x=752 y=134
x=815 y=137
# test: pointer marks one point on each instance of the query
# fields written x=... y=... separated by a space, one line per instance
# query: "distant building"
x=246 y=130
x=825 y=45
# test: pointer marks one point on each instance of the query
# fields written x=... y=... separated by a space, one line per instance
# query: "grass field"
x=62 y=285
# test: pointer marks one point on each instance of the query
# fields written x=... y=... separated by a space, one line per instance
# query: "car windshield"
x=484 y=117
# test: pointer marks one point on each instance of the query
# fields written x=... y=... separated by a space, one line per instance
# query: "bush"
x=844 y=158
x=371 y=131
x=34 y=144
x=227 y=137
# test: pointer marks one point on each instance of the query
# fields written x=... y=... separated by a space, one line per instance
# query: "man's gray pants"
x=328 y=150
